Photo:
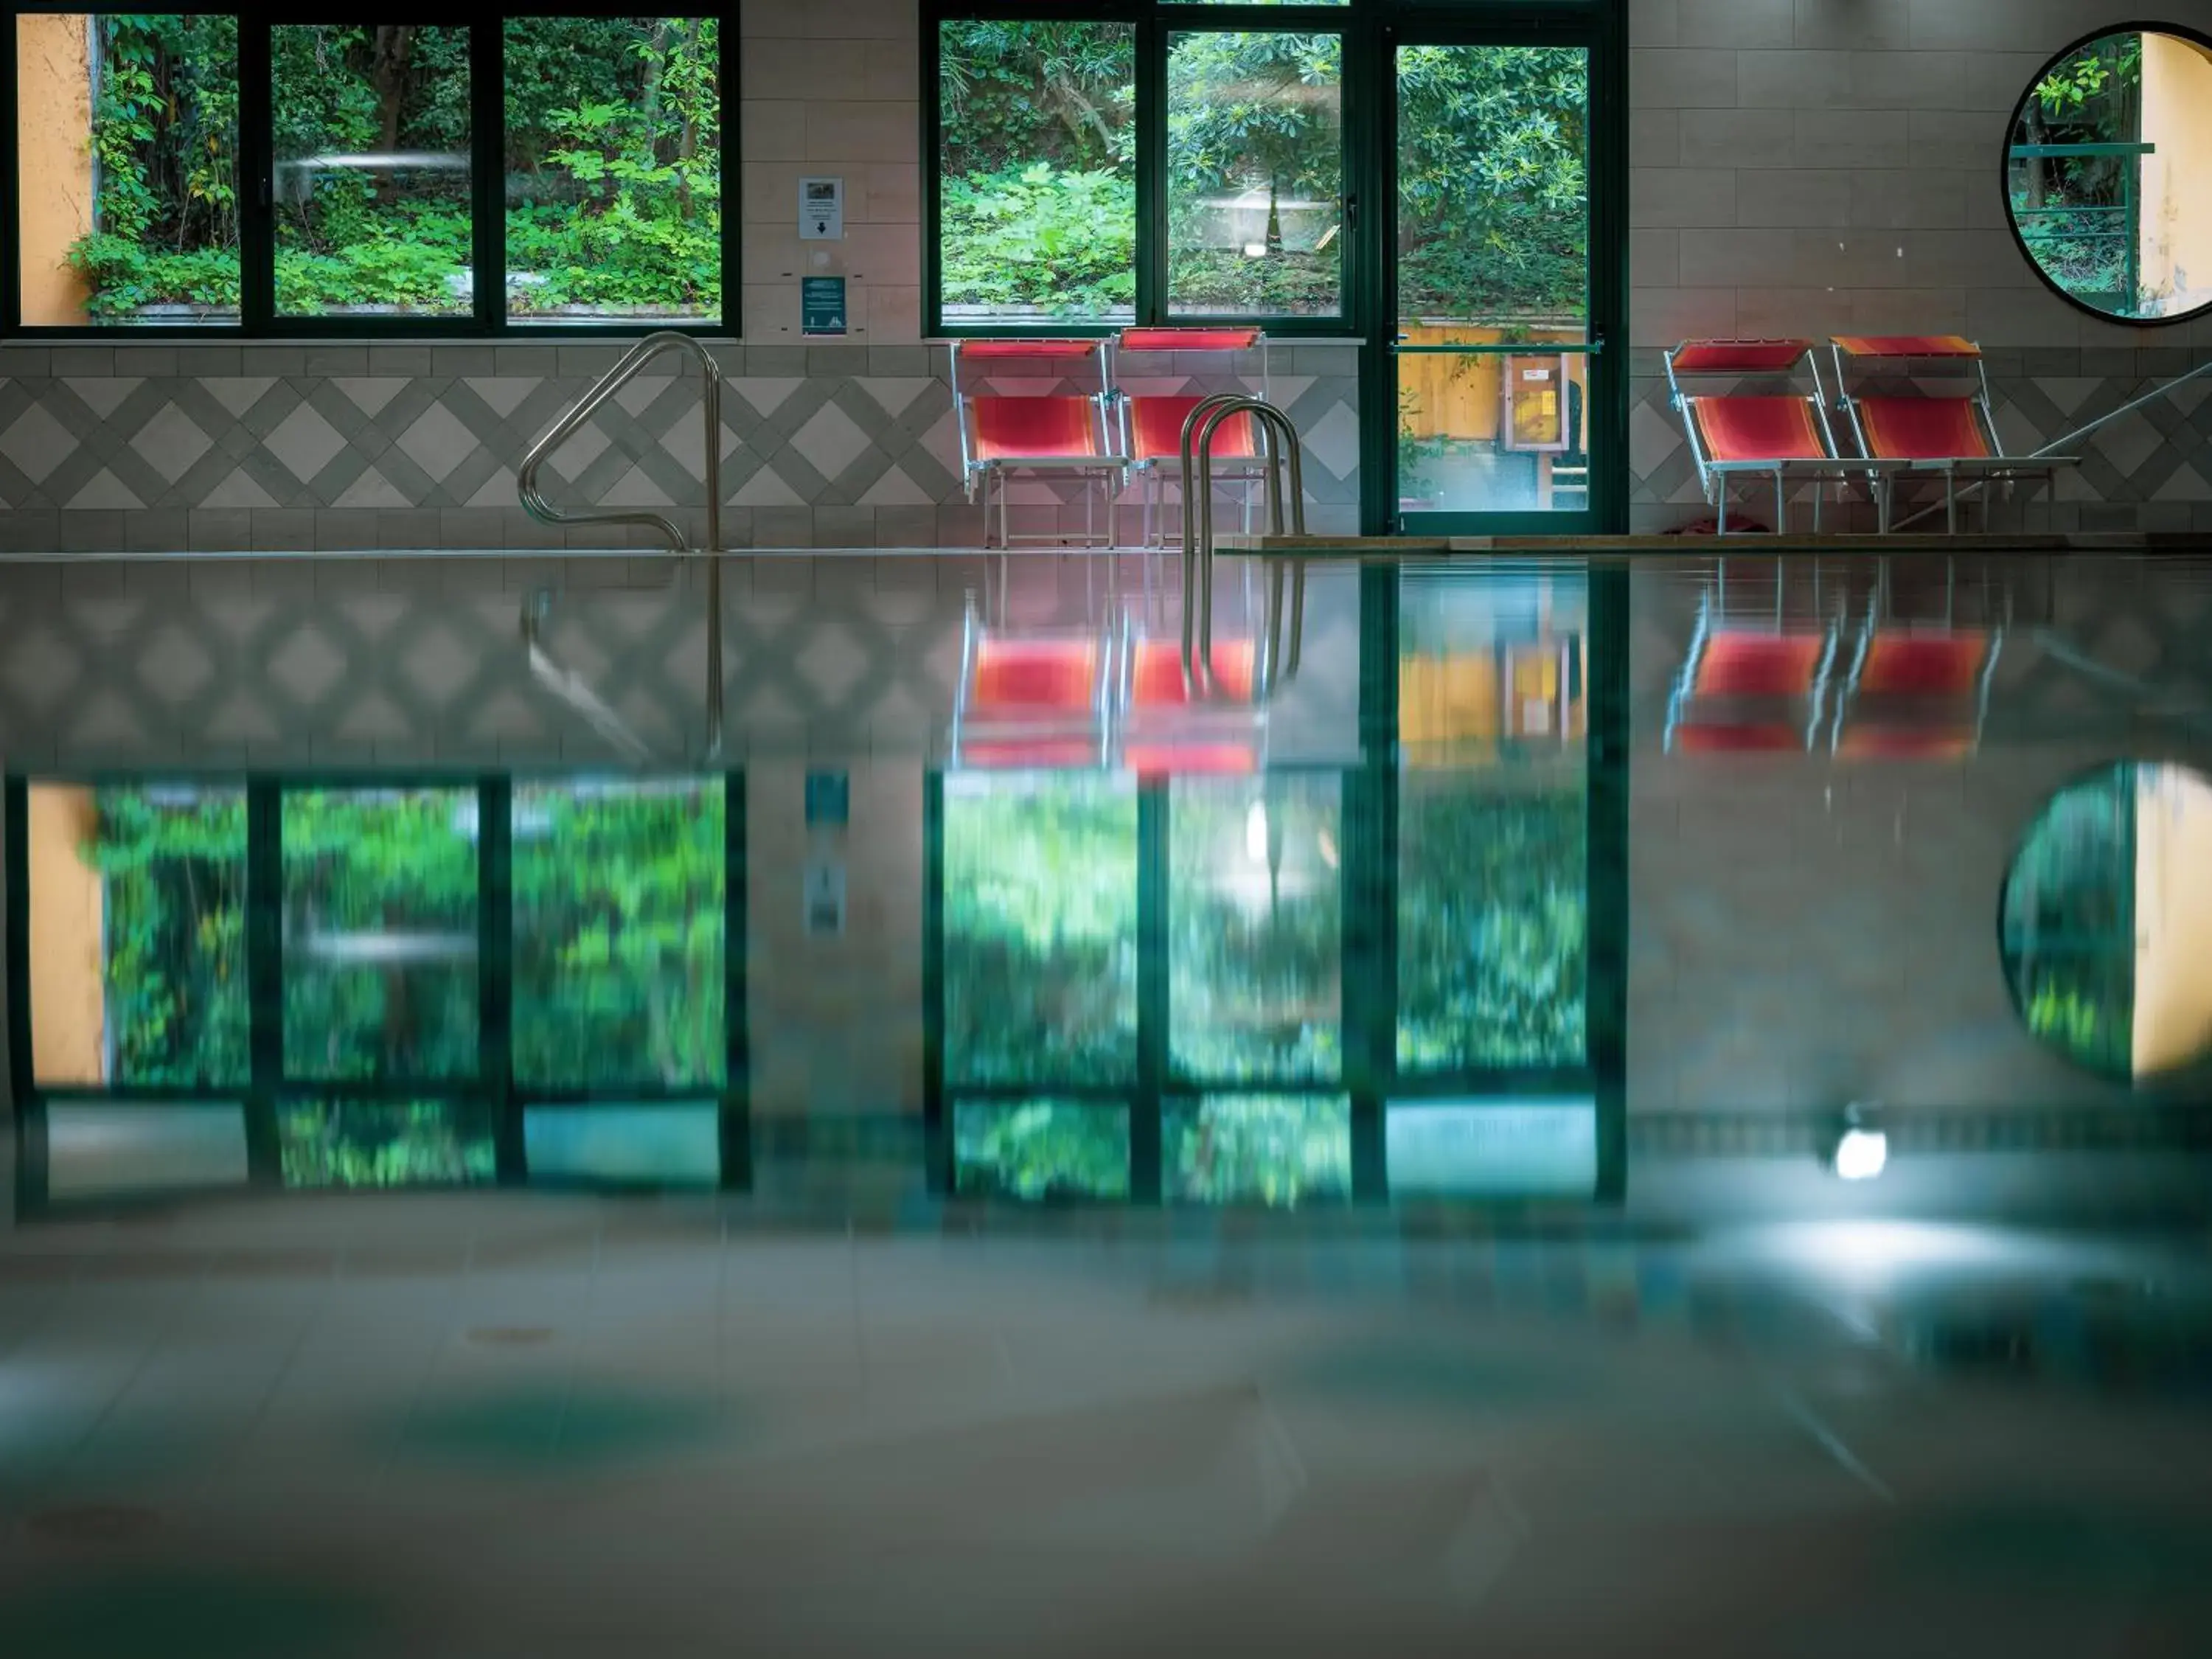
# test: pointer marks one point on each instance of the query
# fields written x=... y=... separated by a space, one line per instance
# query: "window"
x=369 y=141
x=379 y=930
x=138 y=936
x=1037 y=171
x=2105 y=174
x=390 y=202
x=1052 y=151
x=618 y=914
x=126 y=159
x=1256 y=176
x=613 y=165
x=1040 y=928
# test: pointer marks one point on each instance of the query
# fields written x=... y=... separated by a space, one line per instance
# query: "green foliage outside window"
x=377 y=1143
x=1038 y=169
x=173 y=969
x=1281 y=1150
x=1039 y=1150
x=1039 y=172
x=164 y=144
x=613 y=154
x=1493 y=189
x=1040 y=929
x=2073 y=210
x=379 y=934
x=1492 y=928
x=618 y=925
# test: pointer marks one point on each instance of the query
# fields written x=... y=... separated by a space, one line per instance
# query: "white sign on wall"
x=821 y=209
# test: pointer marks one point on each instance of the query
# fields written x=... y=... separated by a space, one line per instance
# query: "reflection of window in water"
x=2106 y=908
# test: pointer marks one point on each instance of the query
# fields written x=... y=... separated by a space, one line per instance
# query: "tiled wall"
x=1817 y=167
x=159 y=448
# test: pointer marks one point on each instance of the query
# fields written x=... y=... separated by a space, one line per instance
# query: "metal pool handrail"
x=1283 y=455
x=535 y=503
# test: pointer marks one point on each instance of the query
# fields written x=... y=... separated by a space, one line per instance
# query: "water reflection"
x=1381 y=937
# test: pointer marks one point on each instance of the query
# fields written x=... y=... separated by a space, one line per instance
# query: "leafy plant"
x=375 y=1143
x=618 y=911
x=173 y=865
x=1277 y=1150
x=1492 y=929
x=1041 y=1150
x=1041 y=930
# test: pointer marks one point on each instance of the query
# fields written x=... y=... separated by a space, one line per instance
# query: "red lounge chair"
x=1778 y=437
x=1151 y=423
x=1952 y=435
x=1052 y=434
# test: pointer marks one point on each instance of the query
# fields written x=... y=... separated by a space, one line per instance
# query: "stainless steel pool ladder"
x=1273 y=664
x=565 y=684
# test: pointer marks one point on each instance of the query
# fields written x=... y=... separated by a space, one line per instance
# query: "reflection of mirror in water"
x=2104 y=914
x=2103 y=174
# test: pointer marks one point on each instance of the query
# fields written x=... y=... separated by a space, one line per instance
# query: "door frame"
x=1598 y=28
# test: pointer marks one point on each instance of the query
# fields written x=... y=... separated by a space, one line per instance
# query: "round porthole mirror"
x=2105 y=173
x=2105 y=920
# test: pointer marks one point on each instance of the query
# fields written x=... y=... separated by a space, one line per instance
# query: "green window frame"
x=465 y=1121
x=470 y=301
x=1157 y=31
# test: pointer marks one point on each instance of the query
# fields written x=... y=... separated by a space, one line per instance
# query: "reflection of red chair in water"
x=1915 y=692
x=1751 y=684
x=1164 y=731
x=1035 y=700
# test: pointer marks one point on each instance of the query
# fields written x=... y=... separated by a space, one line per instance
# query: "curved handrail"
x=1284 y=454
x=535 y=503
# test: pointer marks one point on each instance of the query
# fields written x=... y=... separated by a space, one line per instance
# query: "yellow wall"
x=2176 y=237
x=54 y=124
x=1443 y=396
x=68 y=1007
x=2173 y=919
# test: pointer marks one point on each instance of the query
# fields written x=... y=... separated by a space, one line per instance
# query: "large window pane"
x=1040 y=1149
x=1256 y=176
x=137 y=901
x=1255 y=963
x=1037 y=172
x=369 y=125
x=126 y=157
x=1282 y=1149
x=384 y=1143
x=618 y=914
x=613 y=161
x=1040 y=928
x=381 y=933
x=1492 y=251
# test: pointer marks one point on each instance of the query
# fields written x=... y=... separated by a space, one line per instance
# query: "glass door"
x=1496 y=313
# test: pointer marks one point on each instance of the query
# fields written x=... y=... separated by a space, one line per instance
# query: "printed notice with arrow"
x=822 y=305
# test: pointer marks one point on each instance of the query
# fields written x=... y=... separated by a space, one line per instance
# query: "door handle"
x=1352 y=212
